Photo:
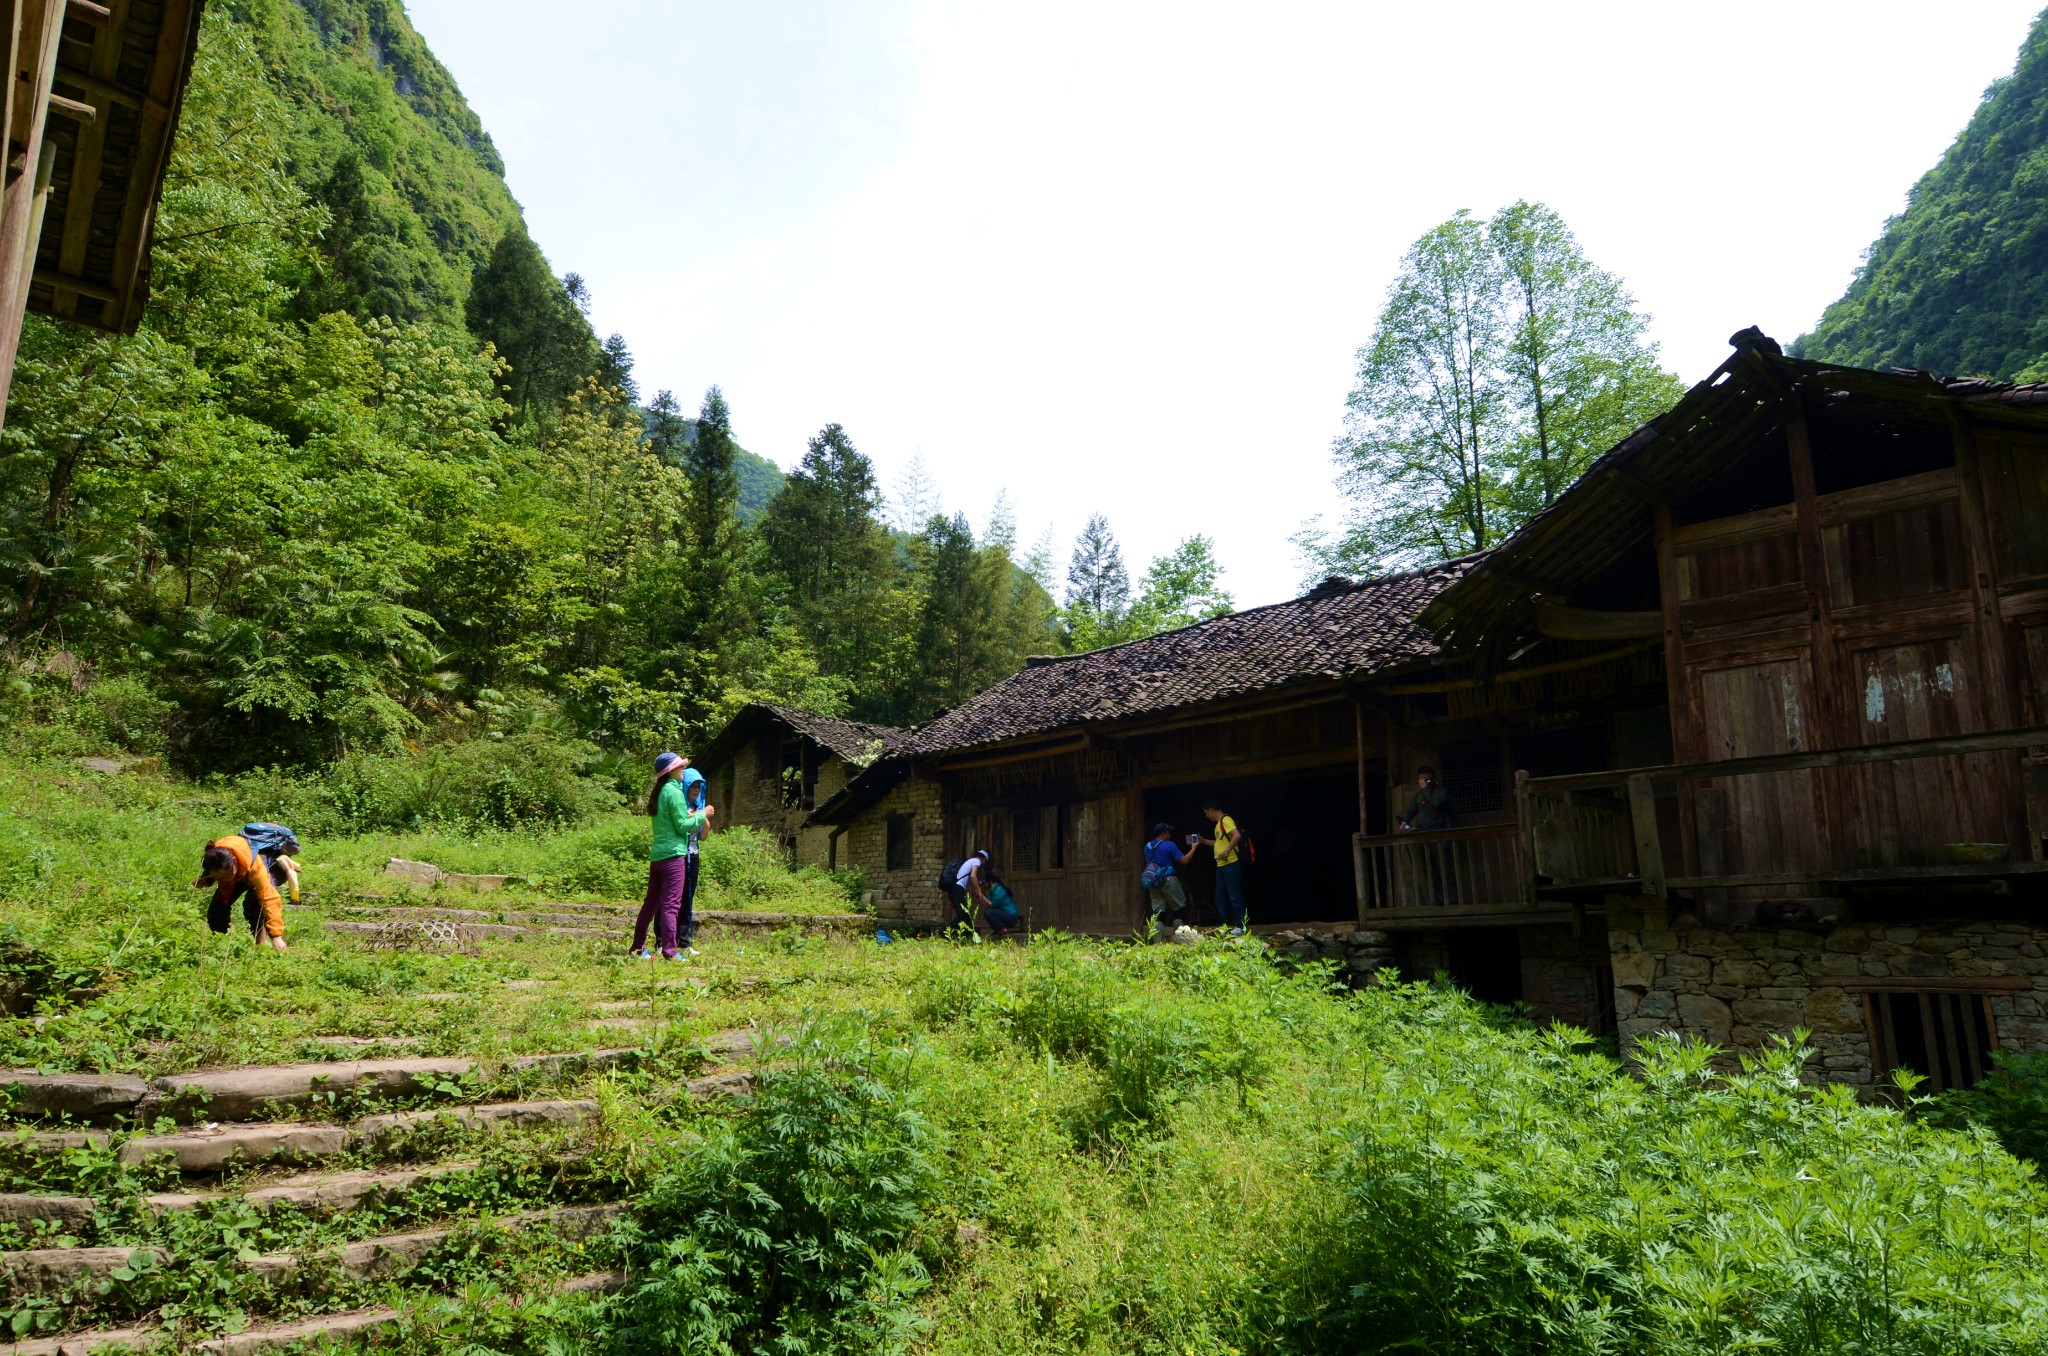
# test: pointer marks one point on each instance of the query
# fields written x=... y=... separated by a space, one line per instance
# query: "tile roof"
x=1339 y=630
x=854 y=740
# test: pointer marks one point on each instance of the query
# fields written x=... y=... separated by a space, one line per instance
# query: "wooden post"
x=1642 y=809
x=1358 y=875
x=1835 y=713
x=1686 y=724
x=1987 y=621
x=1357 y=847
x=1525 y=808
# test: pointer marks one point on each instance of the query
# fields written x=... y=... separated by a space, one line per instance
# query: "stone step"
x=212 y=1148
x=238 y=1094
x=84 y=1097
x=490 y=1116
x=574 y=1061
x=268 y=1336
x=73 y=1212
x=52 y=1271
x=393 y=1254
x=106 y=1340
x=365 y=1042
x=326 y=1193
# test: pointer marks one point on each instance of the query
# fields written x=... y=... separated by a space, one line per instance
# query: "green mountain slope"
x=1958 y=282
x=384 y=140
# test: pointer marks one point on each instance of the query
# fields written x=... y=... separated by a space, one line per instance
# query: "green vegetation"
x=1503 y=363
x=1066 y=1147
x=1957 y=284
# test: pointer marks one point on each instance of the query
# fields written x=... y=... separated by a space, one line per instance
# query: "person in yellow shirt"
x=234 y=870
x=1228 y=846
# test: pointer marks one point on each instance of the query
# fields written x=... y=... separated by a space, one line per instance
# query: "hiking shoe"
x=643 y=955
x=1237 y=932
x=691 y=951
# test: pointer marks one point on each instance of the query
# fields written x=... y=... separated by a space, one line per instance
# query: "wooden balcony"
x=1447 y=876
x=1958 y=809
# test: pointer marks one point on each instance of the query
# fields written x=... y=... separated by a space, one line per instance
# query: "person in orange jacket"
x=230 y=865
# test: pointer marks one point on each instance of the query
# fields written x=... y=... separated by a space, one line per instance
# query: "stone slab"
x=237 y=1094
x=47 y=1271
x=73 y=1212
x=57 y=1141
x=88 y=1097
x=733 y=1083
x=215 y=1147
x=421 y=874
x=596 y=1283
x=480 y=883
x=326 y=1193
x=573 y=1060
x=250 y=1341
x=106 y=1340
x=375 y=1129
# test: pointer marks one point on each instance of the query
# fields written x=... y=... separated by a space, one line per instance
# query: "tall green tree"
x=1098 y=600
x=1502 y=363
x=824 y=538
x=1584 y=373
x=1180 y=588
x=518 y=305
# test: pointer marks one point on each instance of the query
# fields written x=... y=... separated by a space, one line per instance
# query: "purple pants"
x=667 y=880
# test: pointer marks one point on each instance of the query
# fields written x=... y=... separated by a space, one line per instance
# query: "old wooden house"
x=771 y=766
x=88 y=121
x=1743 y=733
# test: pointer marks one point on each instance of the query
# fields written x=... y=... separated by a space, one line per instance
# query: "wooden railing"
x=1452 y=869
x=1596 y=828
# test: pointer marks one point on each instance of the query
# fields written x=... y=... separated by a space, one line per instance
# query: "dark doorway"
x=1486 y=963
x=1300 y=825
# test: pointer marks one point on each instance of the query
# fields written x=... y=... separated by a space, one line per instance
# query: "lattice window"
x=1024 y=840
x=1944 y=1036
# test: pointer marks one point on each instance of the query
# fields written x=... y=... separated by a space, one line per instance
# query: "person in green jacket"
x=669 y=860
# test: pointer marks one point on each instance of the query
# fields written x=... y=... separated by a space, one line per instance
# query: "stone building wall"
x=756 y=801
x=910 y=896
x=1563 y=976
x=1738 y=989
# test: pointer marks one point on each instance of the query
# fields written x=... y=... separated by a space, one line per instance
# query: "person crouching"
x=231 y=866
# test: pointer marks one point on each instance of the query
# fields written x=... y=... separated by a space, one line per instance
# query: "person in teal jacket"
x=670 y=854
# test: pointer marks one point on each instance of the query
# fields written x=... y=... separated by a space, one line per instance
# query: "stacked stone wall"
x=910 y=896
x=1738 y=989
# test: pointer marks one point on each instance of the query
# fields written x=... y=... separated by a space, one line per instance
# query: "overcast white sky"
x=1120 y=257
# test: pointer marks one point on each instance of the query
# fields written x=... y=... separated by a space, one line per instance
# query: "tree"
x=1502 y=363
x=1585 y=375
x=1098 y=587
x=824 y=539
x=518 y=305
x=615 y=368
x=717 y=602
x=916 y=498
x=668 y=432
x=1180 y=588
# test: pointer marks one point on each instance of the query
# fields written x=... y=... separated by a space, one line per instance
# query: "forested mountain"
x=366 y=479
x=1958 y=282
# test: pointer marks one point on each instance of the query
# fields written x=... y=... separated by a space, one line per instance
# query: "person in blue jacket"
x=1161 y=879
x=695 y=789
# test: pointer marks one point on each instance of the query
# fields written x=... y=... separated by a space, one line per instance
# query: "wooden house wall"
x=1899 y=610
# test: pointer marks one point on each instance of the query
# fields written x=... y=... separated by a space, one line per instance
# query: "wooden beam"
x=86 y=12
x=74 y=109
x=1866 y=875
x=1510 y=675
x=85 y=287
x=106 y=92
x=1935 y=983
x=1997 y=742
x=1634 y=486
x=1560 y=622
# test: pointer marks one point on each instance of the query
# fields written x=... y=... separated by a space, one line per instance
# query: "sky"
x=1119 y=258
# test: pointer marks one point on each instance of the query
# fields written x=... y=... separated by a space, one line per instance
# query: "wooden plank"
x=1886 y=496
x=1789 y=762
x=1512 y=915
x=1560 y=622
x=1716 y=533
x=1642 y=807
x=1877 y=875
x=88 y=13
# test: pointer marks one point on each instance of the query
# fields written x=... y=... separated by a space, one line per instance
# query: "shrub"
x=521 y=781
x=2011 y=1102
x=790 y=1229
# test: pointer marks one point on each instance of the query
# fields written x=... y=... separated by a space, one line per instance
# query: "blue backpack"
x=271 y=840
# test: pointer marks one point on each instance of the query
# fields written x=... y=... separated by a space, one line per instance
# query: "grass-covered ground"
x=1066 y=1147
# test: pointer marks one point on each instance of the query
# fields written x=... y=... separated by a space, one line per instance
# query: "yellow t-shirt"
x=1226 y=851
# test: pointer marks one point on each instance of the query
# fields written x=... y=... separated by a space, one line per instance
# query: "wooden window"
x=1056 y=837
x=1024 y=840
x=1472 y=774
x=1944 y=1036
x=902 y=827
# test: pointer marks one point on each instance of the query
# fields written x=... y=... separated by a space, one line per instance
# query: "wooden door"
x=1911 y=810
x=1097 y=892
x=1774 y=821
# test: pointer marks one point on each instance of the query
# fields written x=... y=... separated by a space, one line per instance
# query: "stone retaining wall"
x=1737 y=989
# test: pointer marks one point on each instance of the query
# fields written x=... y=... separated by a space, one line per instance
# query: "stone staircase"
x=302 y=1175
x=367 y=913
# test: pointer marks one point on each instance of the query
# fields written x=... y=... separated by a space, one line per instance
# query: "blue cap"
x=664 y=761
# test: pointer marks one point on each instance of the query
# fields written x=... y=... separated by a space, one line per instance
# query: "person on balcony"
x=1431 y=807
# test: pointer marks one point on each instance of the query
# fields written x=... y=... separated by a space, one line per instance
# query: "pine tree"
x=1098 y=587
x=668 y=432
x=824 y=539
x=516 y=304
x=713 y=539
x=615 y=368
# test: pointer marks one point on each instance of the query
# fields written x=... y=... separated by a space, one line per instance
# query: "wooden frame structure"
x=94 y=102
